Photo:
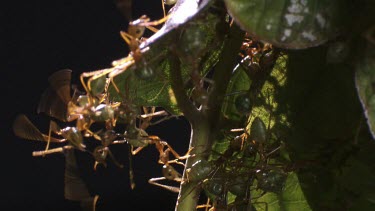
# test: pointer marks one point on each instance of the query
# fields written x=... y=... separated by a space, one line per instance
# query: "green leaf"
x=362 y=189
x=156 y=90
x=289 y=23
x=238 y=84
x=318 y=96
x=325 y=116
x=291 y=197
x=153 y=92
x=266 y=109
x=365 y=80
x=267 y=105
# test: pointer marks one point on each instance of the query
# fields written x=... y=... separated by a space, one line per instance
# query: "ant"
x=167 y=2
x=133 y=38
x=247 y=158
x=75 y=188
x=57 y=102
x=55 y=99
x=23 y=128
x=84 y=108
x=164 y=149
x=101 y=152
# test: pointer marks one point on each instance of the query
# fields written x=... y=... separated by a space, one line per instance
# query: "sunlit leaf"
x=239 y=84
x=156 y=90
x=365 y=80
x=289 y=23
x=291 y=197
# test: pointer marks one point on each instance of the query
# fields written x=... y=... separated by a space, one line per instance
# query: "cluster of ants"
x=248 y=168
x=247 y=164
x=236 y=176
x=87 y=109
x=66 y=103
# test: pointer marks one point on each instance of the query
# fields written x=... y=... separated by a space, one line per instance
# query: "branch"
x=223 y=72
x=202 y=125
x=187 y=107
x=190 y=191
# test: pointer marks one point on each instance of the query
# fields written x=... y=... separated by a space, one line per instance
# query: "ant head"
x=169 y=172
x=136 y=31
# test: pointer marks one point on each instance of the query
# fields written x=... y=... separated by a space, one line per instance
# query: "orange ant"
x=101 y=152
x=133 y=38
x=57 y=102
x=169 y=172
x=85 y=109
x=167 y=2
x=23 y=128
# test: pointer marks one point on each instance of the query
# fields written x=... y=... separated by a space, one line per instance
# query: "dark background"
x=39 y=38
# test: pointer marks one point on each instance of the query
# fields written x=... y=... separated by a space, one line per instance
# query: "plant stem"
x=190 y=191
x=185 y=105
x=202 y=125
x=199 y=135
x=223 y=71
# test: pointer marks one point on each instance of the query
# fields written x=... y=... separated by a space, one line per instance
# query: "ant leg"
x=158 y=113
x=49 y=137
x=136 y=151
x=97 y=163
x=94 y=75
x=114 y=159
x=118 y=71
x=163 y=6
x=97 y=75
x=151 y=28
x=154 y=23
x=114 y=84
x=52 y=127
x=179 y=157
x=131 y=171
x=145 y=122
x=206 y=206
x=273 y=151
x=235 y=130
x=89 y=203
x=119 y=142
x=164 y=154
x=55 y=127
x=92 y=134
x=119 y=63
x=161 y=120
x=51 y=151
x=127 y=37
x=154 y=181
x=176 y=162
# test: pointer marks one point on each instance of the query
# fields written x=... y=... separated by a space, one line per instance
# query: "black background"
x=39 y=38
